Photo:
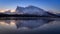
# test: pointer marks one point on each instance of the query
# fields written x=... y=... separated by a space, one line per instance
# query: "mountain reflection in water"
x=29 y=26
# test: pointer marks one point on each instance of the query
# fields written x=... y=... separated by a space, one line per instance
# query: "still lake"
x=30 y=26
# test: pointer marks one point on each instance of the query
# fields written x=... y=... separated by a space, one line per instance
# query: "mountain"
x=29 y=11
x=19 y=10
x=8 y=12
x=33 y=10
x=58 y=14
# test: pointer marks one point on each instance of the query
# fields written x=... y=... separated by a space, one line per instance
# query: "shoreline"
x=26 y=18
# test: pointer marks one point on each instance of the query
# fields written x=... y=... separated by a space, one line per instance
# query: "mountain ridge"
x=33 y=10
x=29 y=11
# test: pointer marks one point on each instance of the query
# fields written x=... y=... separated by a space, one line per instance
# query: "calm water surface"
x=42 y=25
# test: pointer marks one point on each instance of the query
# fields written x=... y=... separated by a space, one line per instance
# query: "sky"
x=50 y=5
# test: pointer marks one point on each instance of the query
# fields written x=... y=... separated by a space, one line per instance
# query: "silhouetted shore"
x=24 y=16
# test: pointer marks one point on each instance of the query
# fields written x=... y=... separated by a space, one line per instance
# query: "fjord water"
x=41 y=25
